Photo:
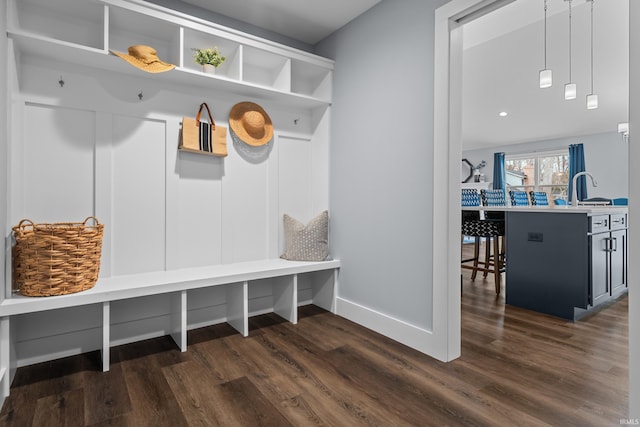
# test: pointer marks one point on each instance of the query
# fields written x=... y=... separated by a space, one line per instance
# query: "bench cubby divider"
x=106 y=334
x=179 y=319
x=238 y=307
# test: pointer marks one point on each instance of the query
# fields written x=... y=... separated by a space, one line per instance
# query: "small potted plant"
x=209 y=58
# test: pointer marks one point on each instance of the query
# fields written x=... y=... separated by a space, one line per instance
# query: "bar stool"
x=492 y=228
x=494 y=197
x=470 y=197
x=518 y=198
x=538 y=198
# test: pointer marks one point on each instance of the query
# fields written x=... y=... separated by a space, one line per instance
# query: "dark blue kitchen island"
x=565 y=261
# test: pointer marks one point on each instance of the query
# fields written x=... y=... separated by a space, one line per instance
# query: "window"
x=543 y=171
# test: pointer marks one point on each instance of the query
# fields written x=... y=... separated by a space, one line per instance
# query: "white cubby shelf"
x=84 y=32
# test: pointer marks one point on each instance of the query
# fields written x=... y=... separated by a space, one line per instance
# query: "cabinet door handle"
x=614 y=244
x=607 y=244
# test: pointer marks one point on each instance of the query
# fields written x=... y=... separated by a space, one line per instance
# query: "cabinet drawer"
x=598 y=223
x=618 y=221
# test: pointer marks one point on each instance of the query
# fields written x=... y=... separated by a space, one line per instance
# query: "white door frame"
x=447 y=152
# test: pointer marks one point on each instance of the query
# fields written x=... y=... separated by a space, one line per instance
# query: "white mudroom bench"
x=237 y=278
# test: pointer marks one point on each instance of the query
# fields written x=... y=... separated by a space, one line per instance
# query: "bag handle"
x=213 y=124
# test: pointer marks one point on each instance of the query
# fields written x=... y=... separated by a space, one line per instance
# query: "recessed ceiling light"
x=502 y=114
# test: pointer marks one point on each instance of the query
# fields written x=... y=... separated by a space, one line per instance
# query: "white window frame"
x=536 y=155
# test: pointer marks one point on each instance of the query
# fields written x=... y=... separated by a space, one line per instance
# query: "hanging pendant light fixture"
x=623 y=129
x=546 y=76
x=592 y=99
x=570 y=89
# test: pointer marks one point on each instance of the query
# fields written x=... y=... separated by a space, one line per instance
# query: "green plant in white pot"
x=209 y=58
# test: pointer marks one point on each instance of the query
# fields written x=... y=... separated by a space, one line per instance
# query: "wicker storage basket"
x=56 y=259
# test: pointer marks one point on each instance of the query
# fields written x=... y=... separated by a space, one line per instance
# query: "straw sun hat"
x=145 y=58
x=250 y=124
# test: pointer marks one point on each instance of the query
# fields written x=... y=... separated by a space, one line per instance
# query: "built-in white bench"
x=237 y=277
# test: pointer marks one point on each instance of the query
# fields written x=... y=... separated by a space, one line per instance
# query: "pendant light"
x=570 y=89
x=623 y=129
x=592 y=99
x=546 y=76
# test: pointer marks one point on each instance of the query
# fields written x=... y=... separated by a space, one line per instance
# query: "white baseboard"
x=410 y=335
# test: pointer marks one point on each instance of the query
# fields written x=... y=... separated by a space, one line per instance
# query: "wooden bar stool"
x=492 y=231
x=492 y=228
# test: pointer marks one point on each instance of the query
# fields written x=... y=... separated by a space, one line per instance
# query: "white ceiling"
x=306 y=20
x=503 y=55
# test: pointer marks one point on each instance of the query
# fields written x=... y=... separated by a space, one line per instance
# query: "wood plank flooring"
x=517 y=368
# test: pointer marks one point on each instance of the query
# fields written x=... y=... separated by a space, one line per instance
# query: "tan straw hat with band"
x=250 y=124
x=145 y=58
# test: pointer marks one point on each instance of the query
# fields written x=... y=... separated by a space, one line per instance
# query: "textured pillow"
x=306 y=242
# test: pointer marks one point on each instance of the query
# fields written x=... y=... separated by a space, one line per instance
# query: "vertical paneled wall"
x=92 y=147
x=138 y=195
x=200 y=225
x=57 y=162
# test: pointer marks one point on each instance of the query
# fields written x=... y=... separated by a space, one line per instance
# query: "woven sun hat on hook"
x=145 y=58
x=250 y=124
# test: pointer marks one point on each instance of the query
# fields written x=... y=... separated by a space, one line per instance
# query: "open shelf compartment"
x=128 y=28
x=75 y=22
x=309 y=79
x=231 y=50
x=266 y=69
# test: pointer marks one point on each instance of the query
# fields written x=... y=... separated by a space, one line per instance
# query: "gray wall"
x=208 y=15
x=606 y=157
x=381 y=152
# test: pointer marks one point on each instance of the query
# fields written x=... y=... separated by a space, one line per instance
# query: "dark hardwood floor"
x=517 y=368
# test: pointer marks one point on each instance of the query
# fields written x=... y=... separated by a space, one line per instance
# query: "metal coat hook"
x=140 y=96
x=61 y=82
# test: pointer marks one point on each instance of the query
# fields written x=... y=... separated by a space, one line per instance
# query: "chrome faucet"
x=574 y=191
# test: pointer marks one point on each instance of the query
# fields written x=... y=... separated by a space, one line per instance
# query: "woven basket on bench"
x=56 y=259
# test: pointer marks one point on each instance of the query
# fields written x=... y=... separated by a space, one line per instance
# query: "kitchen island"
x=565 y=260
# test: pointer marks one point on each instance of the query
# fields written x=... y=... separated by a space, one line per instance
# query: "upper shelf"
x=83 y=32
